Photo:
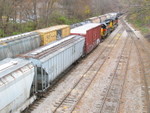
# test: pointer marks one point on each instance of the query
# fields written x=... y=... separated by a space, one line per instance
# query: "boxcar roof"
x=102 y=16
x=51 y=48
x=52 y=28
x=83 y=29
x=17 y=37
x=93 y=18
x=10 y=65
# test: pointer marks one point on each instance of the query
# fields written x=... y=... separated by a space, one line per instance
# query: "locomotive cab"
x=104 y=30
x=115 y=22
x=109 y=23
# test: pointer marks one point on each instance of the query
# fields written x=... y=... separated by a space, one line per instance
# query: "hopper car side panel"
x=15 y=85
x=53 y=59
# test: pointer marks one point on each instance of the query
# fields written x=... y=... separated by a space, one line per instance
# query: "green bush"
x=2 y=34
x=16 y=33
x=55 y=18
x=63 y=20
x=139 y=23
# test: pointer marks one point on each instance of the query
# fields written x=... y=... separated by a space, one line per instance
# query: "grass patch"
x=139 y=24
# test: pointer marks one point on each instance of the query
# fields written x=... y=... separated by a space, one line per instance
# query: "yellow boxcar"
x=53 y=33
x=65 y=31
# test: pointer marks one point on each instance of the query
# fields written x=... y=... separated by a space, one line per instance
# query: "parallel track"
x=144 y=63
x=118 y=34
x=113 y=94
x=112 y=97
x=73 y=96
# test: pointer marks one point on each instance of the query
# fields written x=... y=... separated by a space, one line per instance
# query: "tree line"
x=18 y=16
x=139 y=14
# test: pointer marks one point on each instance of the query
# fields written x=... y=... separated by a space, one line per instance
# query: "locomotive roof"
x=83 y=29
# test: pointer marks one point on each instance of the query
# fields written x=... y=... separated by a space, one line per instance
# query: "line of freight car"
x=102 y=18
x=14 y=45
x=22 y=43
x=34 y=72
x=43 y=65
x=109 y=23
x=97 y=19
x=92 y=35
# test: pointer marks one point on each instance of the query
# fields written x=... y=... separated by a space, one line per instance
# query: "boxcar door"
x=59 y=34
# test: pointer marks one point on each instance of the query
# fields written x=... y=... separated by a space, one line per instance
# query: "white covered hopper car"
x=53 y=59
x=21 y=78
x=16 y=78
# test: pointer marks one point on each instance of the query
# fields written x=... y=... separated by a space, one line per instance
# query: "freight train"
x=109 y=23
x=33 y=72
x=22 y=43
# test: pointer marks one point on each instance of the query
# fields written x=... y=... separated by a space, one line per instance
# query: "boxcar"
x=16 y=78
x=108 y=16
x=91 y=32
x=53 y=33
x=102 y=18
x=113 y=15
x=51 y=60
x=18 y=44
x=79 y=24
x=94 y=19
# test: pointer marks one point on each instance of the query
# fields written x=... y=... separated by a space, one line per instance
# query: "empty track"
x=144 y=62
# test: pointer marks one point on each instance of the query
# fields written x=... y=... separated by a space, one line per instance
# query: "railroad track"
x=113 y=93
x=144 y=63
x=68 y=103
x=112 y=96
x=71 y=97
